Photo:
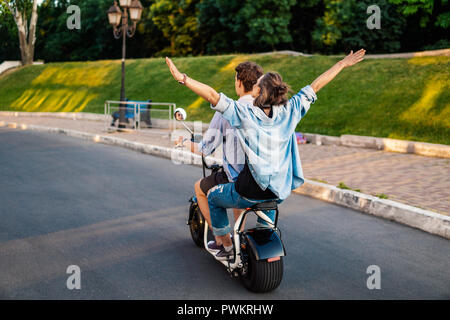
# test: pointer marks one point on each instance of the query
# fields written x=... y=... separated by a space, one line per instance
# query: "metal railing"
x=153 y=114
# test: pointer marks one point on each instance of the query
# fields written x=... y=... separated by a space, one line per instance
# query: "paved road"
x=120 y=216
x=410 y=179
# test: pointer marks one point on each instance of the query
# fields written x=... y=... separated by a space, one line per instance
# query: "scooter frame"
x=237 y=264
x=238 y=261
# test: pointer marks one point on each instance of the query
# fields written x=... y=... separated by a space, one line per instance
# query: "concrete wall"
x=6 y=65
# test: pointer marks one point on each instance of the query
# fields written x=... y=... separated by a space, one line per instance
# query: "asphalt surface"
x=121 y=217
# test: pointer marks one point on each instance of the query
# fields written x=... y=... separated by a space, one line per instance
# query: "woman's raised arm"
x=327 y=76
x=201 y=89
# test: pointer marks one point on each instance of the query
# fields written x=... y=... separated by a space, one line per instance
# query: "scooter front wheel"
x=261 y=275
x=196 y=224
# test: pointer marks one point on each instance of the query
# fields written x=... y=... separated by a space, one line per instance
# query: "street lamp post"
x=121 y=28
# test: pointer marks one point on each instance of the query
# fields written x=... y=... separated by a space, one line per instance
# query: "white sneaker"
x=214 y=247
x=224 y=255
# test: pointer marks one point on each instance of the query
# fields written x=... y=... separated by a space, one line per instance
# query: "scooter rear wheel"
x=261 y=275
x=196 y=224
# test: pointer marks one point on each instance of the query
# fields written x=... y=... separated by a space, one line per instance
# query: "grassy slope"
x=397 y=98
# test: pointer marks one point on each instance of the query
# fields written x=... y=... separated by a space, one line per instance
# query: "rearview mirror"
x=180 y=114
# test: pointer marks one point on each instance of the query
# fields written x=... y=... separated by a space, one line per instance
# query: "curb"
x=95 y=117
x=424 y=220
x=60 y=115
x=385 y=144
x=403 y=55
x=8 y=65
x=406 y=55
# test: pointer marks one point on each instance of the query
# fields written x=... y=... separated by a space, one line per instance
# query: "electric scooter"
x=259 y=252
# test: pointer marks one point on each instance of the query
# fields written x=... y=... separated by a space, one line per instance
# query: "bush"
x=344 y=27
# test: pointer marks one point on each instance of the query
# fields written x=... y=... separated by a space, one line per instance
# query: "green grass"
x=321 y=181
x=395 y=98
x=342 y=185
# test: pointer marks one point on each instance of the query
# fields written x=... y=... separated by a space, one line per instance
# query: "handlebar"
x=213 y=167
x=197 y=138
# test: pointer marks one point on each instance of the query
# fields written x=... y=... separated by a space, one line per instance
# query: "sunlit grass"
x=90 y=75
x=427 y=102
x=57 y=100
x=234 y=63
x=395 y=98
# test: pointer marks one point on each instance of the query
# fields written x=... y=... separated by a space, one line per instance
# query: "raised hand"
x=201 y=89
x=177 y=75
x=353 y=58
x=327 y=76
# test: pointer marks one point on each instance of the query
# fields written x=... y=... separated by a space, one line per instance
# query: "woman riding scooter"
x=220 y=132
x=272 y=167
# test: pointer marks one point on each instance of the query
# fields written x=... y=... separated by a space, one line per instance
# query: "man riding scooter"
x=273 y=167
x=220 y=131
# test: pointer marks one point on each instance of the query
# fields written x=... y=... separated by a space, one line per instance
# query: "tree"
x=21 y=10
x=410 y=7
x=344 y=27
x=427 y=23
x=95 y=39
x=177 y=21
x=304 y=15
x=220 y=27
x=9 y=49
x=244 y=25
x=268 y=22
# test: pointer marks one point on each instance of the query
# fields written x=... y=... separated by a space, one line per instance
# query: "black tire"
x=196 y=225
x=260 y=275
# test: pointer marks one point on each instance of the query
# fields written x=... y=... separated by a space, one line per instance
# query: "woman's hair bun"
x=273 y=91
x=282 y=89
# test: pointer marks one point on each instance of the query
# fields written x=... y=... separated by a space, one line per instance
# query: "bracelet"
x=184 y=79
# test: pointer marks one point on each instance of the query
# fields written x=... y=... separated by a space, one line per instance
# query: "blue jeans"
x=225 y=196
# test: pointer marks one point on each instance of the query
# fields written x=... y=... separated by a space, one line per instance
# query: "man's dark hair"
x=248 y=72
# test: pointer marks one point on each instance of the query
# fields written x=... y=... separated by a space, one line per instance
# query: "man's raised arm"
x=201 y=89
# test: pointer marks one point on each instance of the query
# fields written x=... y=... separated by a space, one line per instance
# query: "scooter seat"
x=267 y=205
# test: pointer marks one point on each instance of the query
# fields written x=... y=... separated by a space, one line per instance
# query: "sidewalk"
x=415 y=180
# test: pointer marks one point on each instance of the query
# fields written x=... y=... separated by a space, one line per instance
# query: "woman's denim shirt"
x=269 y=143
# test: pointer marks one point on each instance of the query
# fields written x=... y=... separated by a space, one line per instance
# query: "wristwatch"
x=184 y=79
